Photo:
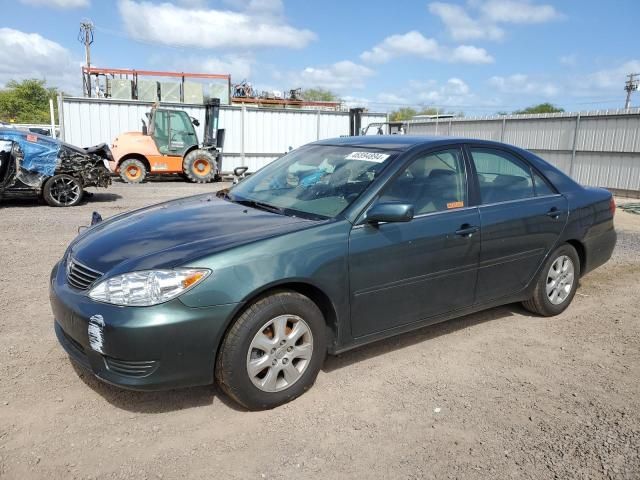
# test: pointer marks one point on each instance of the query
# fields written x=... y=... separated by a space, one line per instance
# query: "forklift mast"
x=211 y=131
x=355 y=121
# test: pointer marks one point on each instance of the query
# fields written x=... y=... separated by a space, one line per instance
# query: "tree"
x=26 y=101
x=406 y=113
x=540 y=108
x=319 y=95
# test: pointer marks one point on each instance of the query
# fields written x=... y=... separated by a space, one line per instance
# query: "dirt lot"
x=500 y=394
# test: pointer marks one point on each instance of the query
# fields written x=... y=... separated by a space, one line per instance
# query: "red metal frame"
x=151 y=73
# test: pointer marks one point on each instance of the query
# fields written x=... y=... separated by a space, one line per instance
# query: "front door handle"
x=554 y=213
x=467 y=230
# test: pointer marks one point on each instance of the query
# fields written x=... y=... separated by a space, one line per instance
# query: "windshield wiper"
x=261 y=206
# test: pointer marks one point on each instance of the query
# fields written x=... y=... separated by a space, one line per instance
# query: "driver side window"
x=431 y=183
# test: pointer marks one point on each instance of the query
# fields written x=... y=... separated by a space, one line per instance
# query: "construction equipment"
x=170 y=145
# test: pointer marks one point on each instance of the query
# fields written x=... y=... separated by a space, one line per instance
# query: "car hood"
x=174 y=233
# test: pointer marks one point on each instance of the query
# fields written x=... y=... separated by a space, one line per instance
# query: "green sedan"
x=335 y=245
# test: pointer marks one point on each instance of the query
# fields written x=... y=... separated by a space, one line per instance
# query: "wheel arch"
x=189 y=150
x=582 y=252
x=136 y=156
x=303 y=287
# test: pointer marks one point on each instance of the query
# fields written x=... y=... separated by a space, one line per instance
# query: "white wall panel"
x=253 y=137
x=607 y=143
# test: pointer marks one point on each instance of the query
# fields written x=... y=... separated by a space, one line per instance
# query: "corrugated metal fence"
x=600 y=148
x=254 y=136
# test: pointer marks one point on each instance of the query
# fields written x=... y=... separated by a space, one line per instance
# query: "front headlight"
x=147 y=287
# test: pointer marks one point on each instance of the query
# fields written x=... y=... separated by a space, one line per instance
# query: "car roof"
x=399 y=142
x=402 y=143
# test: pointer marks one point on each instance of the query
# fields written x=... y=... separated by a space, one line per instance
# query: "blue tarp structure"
x=40 y=152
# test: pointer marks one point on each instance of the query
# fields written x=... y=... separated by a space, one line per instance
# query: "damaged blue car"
x=33 y=165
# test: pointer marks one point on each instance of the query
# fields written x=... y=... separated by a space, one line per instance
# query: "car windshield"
x=316 y=181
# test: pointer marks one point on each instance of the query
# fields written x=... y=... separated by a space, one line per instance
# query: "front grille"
x=131 y=368
x=80 y=276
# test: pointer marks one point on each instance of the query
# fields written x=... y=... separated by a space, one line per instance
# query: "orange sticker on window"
x=455 y=204
x=32 y=138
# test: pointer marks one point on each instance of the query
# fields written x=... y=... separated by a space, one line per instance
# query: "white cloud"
x=413 y=43
x=57 y=3
x=259 y=25
x=342 y=75
x=468 y=54
x=390 y=98
x=461 y=26
x=454 y=92
x=30 y=55
x=238 y=66
x=609 y=79
x=193 y=3
x=352 y=102
x=520 y=83
x=487 y=15
x=517 y=11
x=569 y=60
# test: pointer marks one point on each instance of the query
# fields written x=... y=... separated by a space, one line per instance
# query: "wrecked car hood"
x=172 y=233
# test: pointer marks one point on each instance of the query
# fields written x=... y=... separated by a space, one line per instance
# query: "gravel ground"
x=499 y=394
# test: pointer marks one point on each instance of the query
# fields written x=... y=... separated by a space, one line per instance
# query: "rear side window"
x=501 y=176
x=542 y=187
x=433 y=182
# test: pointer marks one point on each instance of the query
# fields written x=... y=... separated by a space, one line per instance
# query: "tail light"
x=612 y=207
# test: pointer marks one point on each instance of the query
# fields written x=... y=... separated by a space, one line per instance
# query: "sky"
x=475 y=56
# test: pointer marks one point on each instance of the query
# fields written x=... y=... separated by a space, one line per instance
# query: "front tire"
x=200 y=166
x=62 y=191
x=133 y=171
x=557 y=283
x=273 y=352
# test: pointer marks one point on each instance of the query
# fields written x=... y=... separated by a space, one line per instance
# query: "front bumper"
x=141 y=348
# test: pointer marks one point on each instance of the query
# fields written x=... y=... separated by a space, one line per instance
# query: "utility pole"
x=630 y=85
x=85 y=36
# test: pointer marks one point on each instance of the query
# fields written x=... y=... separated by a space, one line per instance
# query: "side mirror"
x=389 y=212
x=240 y=171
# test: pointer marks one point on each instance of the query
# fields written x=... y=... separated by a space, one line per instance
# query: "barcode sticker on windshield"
x=367 y=156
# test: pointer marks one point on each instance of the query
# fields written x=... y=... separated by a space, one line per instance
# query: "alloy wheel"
x=560 y=279
x=279 y=353
x=65 y=191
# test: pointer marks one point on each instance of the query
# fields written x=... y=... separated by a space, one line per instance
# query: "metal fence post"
x=575 y=144
x=242 y=135
x=449 y=129
x=61 y=118
x=318 y=124
x=504 y=125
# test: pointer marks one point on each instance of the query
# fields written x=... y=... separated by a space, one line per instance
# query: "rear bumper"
x=140 y=348
x=598 y=249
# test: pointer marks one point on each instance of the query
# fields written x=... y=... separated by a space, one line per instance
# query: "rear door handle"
x=467 y=230
x=554 y=213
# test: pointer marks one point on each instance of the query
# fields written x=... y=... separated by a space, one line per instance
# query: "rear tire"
x=133 y=171
x=62 y=191
x=200 y=166
x=557 y=283
x=273 y=352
